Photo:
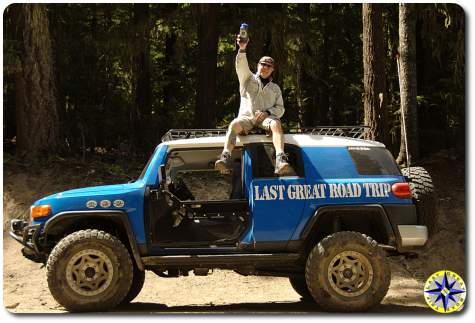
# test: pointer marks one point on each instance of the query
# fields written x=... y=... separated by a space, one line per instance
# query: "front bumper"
x=28 y=236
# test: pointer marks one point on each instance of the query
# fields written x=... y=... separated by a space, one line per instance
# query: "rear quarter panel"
x=332 y=179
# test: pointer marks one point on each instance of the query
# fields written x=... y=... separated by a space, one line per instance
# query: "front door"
x=200 y=207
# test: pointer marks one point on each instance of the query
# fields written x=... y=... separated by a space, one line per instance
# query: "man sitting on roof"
x=261 y=106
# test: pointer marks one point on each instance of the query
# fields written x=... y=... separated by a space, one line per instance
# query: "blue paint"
x=132 y=194
x=247 y=174
x=159 y=157
x=275 y=220
x=248 y=235
x=332 y=172
x=326 y=165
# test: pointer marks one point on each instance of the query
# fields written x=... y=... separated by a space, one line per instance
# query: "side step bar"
x=228 y=261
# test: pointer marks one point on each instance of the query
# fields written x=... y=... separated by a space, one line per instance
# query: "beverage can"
x=243 y=31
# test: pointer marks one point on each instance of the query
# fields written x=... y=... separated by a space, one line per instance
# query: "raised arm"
x=242 y=66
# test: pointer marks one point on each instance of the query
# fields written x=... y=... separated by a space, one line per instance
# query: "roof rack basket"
x=338 y=131
x=174 y=134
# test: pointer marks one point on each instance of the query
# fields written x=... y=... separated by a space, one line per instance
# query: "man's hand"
x=260 y=116
x=242 y=45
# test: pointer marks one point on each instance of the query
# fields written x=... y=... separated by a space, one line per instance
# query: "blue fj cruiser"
x=327 y=225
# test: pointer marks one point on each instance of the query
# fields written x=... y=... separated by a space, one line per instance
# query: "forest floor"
x=24 y=283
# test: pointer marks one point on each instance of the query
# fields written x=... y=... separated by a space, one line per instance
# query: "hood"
x=124 y=197
x=94 y=190
x=103 y=189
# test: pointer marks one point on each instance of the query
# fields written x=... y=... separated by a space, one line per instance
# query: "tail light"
x=401 y=190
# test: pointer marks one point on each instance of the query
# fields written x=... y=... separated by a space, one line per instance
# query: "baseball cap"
x=267 y=59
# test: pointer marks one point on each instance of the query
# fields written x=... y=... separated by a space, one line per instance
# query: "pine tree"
x=374 y=78
x=408 y=84
x=36 y=113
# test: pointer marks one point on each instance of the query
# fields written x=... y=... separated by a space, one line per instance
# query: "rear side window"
x=373 y=161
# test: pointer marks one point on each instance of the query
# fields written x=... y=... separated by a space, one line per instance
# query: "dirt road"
x=25 y=291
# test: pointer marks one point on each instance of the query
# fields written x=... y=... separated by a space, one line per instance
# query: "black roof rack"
x=338 y=131
x=174 y=134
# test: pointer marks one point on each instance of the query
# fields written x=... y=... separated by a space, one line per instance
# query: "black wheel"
x=136 y=287
x=89 y=270
x=300 y=286
x=422 y=190
x=347 y=272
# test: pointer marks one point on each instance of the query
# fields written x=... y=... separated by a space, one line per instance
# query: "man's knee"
x=276 y=126
x=235 y=126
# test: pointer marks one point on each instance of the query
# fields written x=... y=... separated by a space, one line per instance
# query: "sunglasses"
x=266 y=65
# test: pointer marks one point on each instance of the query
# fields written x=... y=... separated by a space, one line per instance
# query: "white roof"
x=301 y=140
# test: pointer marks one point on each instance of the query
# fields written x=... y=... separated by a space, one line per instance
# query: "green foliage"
x=317 y=47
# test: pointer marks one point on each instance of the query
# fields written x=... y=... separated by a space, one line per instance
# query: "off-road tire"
x=299 y=284
x=321 y=284
x=422 y=190
x=136 y=287
x=88 y=247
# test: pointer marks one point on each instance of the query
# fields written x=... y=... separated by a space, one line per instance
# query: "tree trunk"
x=142 y=90
x=374 y=79
x=10 y=72
x=170 y=88
x=408 y=83
x=205 y=112
x=303 y=91
x=323 y=88
x=37 y=117
x=277 y=31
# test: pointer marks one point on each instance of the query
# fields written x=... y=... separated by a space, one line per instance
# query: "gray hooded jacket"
x=255 y=96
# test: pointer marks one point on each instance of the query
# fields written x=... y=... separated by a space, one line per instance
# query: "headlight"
x=40 y=211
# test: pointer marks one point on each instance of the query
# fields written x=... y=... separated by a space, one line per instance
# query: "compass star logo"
x=445 y=291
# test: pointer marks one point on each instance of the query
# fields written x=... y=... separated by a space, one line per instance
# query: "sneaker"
x=281 y=164
x=221 y=163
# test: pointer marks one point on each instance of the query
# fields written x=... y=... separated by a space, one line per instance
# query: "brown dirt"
x=25 y=289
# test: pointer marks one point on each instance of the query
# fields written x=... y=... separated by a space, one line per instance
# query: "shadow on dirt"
x=263 y=308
